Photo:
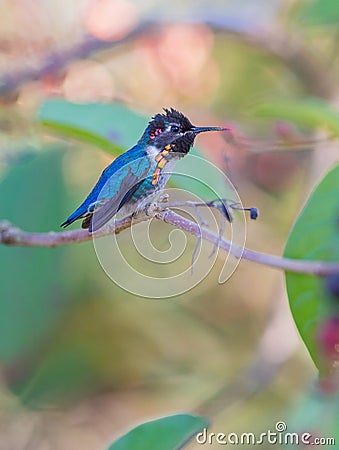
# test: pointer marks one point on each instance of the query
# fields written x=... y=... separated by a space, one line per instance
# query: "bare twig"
x=284 y=45
x=55 y=60
x=319 y=268
x=11 y=235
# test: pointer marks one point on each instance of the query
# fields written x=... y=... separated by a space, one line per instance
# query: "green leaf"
x=309 y=113
x=320 y=12
x=112 y=127
x=315 y=236
x=64 y=373
x=32 y=196
x=167 y=433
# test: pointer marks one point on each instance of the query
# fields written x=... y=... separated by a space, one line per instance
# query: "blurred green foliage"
x=318 y=414
x=320 y=12
x=32 y=194
x=308 y=113
x=168 y=433
x=314 y=237
x=112 y=127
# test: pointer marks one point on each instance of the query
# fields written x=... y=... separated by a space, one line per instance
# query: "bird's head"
x=173 y=129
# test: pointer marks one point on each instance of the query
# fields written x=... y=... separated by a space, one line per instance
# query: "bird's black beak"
x=197 y=130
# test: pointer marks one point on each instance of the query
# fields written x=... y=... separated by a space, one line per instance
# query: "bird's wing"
x=103 y=214
x=113 y=187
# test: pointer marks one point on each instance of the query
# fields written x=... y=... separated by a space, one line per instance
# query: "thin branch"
x=55 y=59
x=288 y=47
x=320 y=268
x=11 y=235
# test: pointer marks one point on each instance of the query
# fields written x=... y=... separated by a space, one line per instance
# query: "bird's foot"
x=163 y=198
x=150 y=209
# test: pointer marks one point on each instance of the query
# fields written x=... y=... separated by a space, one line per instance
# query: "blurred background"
x=81 y=359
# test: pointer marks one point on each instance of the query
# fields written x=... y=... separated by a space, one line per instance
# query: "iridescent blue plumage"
x=111 y=180
x=140 y=172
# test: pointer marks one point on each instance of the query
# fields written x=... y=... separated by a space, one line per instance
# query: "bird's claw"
x=150 y=209
x=164 y=198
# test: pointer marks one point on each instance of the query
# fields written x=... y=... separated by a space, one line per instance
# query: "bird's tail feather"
x=78 y=214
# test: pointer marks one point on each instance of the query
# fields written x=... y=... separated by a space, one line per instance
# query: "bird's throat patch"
x=162 y=160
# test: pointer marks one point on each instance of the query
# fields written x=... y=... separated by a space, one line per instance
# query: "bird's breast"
x=162 y=164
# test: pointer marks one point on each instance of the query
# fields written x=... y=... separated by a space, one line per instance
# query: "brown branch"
x=11 y=235
x=284 y=45
x=54 y=60
x=320 y=268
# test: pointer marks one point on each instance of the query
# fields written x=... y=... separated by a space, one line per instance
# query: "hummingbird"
x=140 y=172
